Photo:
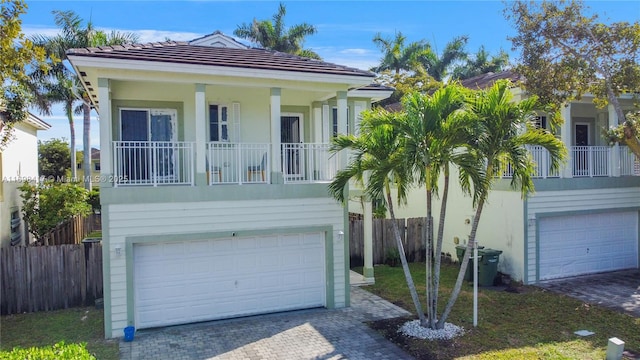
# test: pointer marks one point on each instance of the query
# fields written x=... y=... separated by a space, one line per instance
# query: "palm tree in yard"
x=272 y=34
x=437 y=128
x=61 y=84
x=397 y=56
x=377 y=162
x=503 y=130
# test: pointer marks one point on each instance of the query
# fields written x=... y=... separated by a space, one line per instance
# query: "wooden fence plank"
x=384 y=239
x=37 y=278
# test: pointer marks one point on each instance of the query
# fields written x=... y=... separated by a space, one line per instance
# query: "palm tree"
x=69 y=90
x=396 y=56
x=377 y=162
x=271 y=34
x=504 y=129
x=481 y=63
x=435 y=128
x=439 y=65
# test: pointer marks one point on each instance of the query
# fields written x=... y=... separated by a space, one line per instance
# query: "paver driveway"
x=619 y=290
x=307 y=334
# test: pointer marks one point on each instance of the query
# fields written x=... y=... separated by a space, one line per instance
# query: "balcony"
x=586 y=161
x=244 y=163
x=153 y=163
x=156 y=163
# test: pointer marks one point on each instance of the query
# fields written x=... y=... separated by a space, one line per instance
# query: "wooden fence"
x=384 y=243
x=37 y=278
x=73 y=230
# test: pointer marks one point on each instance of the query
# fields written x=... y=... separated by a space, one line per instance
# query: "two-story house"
x=216 y=162
x=18 y=163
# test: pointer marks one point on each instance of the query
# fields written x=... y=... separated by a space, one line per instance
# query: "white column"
x=341 y=97
x=615 y=150
x=106 y=136
x=326 y=124
x=367 y=271
x=358 y=107
x=201 y=135
x=276 y=167
x=317 y=123
x=565 y=133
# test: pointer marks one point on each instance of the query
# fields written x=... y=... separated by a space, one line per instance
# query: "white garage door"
x=583 y=244
x=183 y=282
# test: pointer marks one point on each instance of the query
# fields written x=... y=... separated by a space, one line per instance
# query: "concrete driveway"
x=619 y=290
x=308 y=334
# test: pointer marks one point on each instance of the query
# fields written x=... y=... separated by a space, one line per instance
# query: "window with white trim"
x=218 y=123
x=334 y=117
x=540 y=122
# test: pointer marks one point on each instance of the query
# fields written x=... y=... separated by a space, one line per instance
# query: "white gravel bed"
x=413 y=329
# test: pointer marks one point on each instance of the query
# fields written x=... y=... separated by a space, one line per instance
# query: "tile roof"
x=484 y=81
x=179 y=52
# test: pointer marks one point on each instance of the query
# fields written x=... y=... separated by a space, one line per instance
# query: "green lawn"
x=531 y=324
x=46 y=328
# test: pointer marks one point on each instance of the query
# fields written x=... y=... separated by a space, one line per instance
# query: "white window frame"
x=164 y=111
x=221 y=123
x=334 y=121
x=540 y=122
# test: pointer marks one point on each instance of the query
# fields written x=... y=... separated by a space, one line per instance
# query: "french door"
x=292 y=146
x=147 y=136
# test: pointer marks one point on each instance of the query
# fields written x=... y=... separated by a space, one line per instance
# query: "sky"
x=344 y=36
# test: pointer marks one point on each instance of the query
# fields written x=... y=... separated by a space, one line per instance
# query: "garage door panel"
x=582 y=244
x=203 y=280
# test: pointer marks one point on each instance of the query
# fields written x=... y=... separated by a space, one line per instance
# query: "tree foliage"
x=18 y=54
x=481 y=62
x=274 y=35
x=567 y=52
x=54 y=158
x=48 y=204
x=61 y=84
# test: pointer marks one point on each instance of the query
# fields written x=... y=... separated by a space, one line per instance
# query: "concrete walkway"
x=619 y=290
x=307 y=334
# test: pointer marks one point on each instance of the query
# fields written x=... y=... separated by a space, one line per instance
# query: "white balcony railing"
x=629 y=163
x=585 y=161
x=590 y=161
x=308 y=163
x=153 y=163
x=238 y=163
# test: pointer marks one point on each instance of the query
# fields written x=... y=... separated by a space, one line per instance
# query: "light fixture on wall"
x=118 y=249
x=341 y=235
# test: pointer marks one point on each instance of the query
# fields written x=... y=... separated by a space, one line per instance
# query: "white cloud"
x=146 y=36
x=30 y=30
x=356 y=51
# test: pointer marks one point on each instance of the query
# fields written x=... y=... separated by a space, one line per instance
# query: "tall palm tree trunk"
x=86 y=144
x=429 y=257
x=72 y=140
x=440 y=238
x=403 y=260
x=463 y=266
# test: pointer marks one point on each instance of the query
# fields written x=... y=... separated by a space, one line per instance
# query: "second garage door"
x=184 y=282
x=583 y=244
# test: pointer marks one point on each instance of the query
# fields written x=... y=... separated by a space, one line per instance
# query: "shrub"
x=59 y=351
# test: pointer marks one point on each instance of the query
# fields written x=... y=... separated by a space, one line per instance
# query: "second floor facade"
x=193 y=122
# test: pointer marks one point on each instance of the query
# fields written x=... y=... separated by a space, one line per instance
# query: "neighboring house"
x=583 y=219
x=217 y=162
x=95 y=168
x=18 y=163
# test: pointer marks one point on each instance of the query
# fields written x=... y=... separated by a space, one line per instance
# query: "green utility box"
x=487 y=264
